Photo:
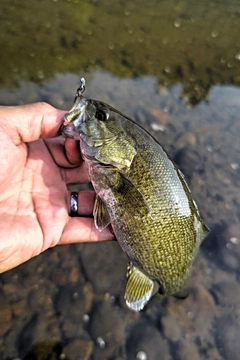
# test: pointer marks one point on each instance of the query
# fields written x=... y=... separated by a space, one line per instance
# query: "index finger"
x=30 y=122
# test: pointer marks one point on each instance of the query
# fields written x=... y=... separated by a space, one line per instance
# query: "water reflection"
x=197 y=45
x=50 y=297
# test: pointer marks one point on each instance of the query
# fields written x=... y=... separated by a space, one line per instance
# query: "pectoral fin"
x=101 y=217
x=119 y=184
x=134 y=197
x=138 y=290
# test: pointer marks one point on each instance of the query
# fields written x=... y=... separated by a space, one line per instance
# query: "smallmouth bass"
x=142 y=194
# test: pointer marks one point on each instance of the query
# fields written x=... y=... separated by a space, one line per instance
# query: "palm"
x=35 y=206
x=34 y=199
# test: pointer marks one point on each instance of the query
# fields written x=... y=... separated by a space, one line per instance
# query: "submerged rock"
x=99 y=262
x=78 y=349
x=145 y=338
x=227 y=331
x=44 y=350
x=107 y=327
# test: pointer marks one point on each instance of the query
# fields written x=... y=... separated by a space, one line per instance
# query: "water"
x=173 y=67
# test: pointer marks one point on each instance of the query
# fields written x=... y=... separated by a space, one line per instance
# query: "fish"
x=142 y=195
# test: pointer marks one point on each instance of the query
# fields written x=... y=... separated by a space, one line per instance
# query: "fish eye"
x=101 y=115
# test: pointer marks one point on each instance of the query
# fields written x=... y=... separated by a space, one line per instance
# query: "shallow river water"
x=174 y=67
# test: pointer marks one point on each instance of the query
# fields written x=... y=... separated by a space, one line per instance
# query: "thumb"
x=30 y=122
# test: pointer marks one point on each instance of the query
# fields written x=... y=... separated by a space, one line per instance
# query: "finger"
x=72 y=149
x=68 y=156
x=81 y=229
x=30 y=122
x=65 y=153
x=71 y=173
x=78 y=175
x=86 y=199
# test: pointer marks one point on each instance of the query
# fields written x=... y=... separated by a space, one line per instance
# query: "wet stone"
x=73 y=275
x=222 y=246
x=100 y=342
x=99 y=261
x=11 y=291
x=188 y=161
x=202 y=296
x=171 y=329
x=227 y=332
x=5 y=316
x=188 y=351
x=18 y=307
x=159 y=116
x=8 y=342
x=231 y=257
x=70 y=330
x=187 y=139
x=141 y=355
x=44 y=350
x=73 y=301
x=226 y=293
x=25 y=338
x=194 y=316
x=214 y=354
x=67 y=269
x=40 y=299
x=107 y=328
x=145 y=339
x=78 y=349
x=38 y=329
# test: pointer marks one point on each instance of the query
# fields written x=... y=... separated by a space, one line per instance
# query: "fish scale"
x=142 y=195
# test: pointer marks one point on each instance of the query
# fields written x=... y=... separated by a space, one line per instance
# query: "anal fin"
x=101 y=217
x=139 y=289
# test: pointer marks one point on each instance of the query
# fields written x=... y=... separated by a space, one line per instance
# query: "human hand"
x=35 y=168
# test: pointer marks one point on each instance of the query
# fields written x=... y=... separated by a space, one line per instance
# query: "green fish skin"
x=142 y=194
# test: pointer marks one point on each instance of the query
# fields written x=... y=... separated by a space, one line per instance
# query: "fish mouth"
x=69 y=130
